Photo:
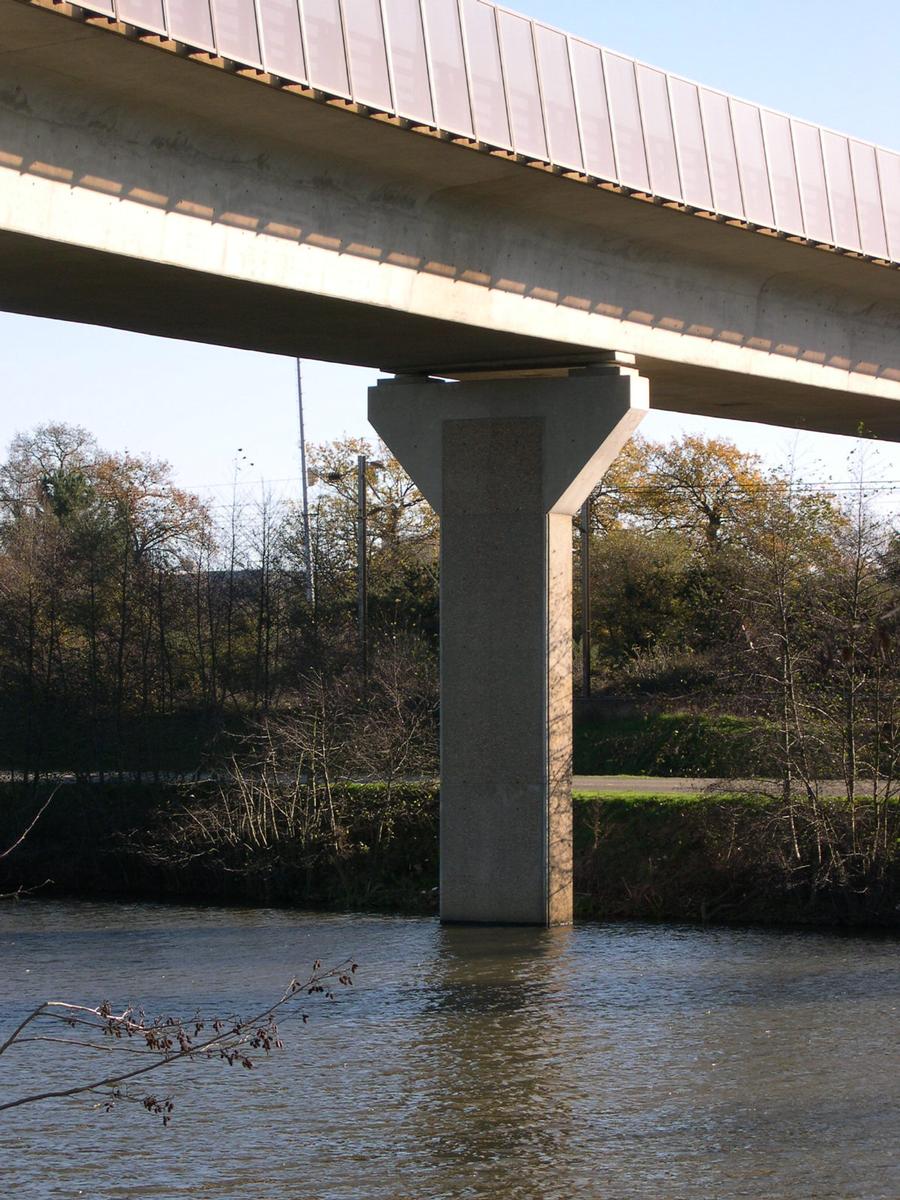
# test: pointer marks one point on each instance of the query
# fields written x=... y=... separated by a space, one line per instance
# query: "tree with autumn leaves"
x=89 y=544
x=136 y=623
x=669 y=530
x=402 y=532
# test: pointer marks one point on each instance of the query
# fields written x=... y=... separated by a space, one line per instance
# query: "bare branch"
x=22 y=836
x=169 y=1040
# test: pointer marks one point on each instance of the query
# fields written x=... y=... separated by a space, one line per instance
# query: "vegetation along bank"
x=722 y=858
x=744 y=624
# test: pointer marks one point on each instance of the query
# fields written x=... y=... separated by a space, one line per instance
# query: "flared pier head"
x=506 y=463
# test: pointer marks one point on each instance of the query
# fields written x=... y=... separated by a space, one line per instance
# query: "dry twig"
x=162 y=1040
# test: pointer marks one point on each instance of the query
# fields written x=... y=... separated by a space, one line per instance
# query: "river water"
x=607 y=1061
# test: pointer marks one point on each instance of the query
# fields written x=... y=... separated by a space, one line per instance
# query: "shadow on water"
x=498 y=1080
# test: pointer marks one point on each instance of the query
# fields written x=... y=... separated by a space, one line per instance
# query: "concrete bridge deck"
x=202 y=203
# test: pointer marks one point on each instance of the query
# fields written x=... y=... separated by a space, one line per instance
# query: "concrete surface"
x=506 y=465
x=147 y=191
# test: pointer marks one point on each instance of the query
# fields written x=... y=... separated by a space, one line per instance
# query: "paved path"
x=657 y=785
x=651 y=784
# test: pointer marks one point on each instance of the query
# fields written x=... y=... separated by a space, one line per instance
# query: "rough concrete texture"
x=507 y=464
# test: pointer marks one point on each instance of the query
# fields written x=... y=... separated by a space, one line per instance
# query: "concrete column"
x=506 y=463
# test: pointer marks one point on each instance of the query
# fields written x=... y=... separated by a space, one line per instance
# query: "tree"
x=820 y=633
x=668 y=532
x=640 y=585
x=93 y=552
x=402 y=535
x=705 y=488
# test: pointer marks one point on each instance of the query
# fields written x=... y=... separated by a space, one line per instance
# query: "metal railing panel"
x=659 y=132
x=558 y=98
x=281 y=39
x=782 y=169
x=811 y=172
x=486 y=73
x=752 y=166
x=690 y=141
x=190 y=22
x=889 y=178
x=146 y=14
x=369 y=77
x=625 y=118
x=869 y=211
x=841 y=194
x=723 y=169
x=409 y=61
x=103 y=8
x=326 y=54
x=593 y=108
x=523 y=88
x=450 y=87
x=237 y=36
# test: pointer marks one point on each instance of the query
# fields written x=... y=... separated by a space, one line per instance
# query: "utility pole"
x=586 y=598
x=362 y=582
x=307 y=546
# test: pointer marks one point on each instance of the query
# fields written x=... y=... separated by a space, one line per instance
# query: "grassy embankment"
x=650 y=743
x=678 y=857
x=710 y=746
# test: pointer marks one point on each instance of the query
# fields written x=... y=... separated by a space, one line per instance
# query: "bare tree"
x=819 y=621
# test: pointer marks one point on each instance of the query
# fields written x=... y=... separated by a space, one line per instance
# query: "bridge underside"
x=98 y=288
x=141 y=190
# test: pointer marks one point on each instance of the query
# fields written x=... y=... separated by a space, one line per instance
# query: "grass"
x=671 y=744
x=671 y=799
x=699 y=855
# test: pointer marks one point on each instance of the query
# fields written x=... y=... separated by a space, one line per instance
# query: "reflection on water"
x=498 y=1086
x=605 y=1061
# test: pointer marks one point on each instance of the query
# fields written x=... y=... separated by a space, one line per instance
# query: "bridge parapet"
x=141 y=192
x=506 y=84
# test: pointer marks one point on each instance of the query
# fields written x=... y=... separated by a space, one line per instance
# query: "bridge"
x=537 y=237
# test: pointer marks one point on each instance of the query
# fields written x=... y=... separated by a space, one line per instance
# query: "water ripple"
x=618 y=1062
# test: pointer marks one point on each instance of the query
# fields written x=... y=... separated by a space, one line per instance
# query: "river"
x=609 y=1061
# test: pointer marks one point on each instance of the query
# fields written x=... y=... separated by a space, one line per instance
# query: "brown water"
x=616 y=1062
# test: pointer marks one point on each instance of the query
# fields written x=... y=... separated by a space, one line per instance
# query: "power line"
x=809 y=485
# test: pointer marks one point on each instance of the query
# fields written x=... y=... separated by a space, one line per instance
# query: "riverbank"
x=680 y=857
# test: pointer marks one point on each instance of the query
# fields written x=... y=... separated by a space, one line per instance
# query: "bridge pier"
x=506 y=463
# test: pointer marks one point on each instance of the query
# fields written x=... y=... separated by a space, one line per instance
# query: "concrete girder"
x=142 y=190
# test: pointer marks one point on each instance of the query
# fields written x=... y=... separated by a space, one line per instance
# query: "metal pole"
x=307 y=545
x=361 y=567
x=586 y=598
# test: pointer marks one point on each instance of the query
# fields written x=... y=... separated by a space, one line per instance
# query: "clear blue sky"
x=828 y=60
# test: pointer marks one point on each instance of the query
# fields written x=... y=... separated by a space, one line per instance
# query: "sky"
x=206 y=409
